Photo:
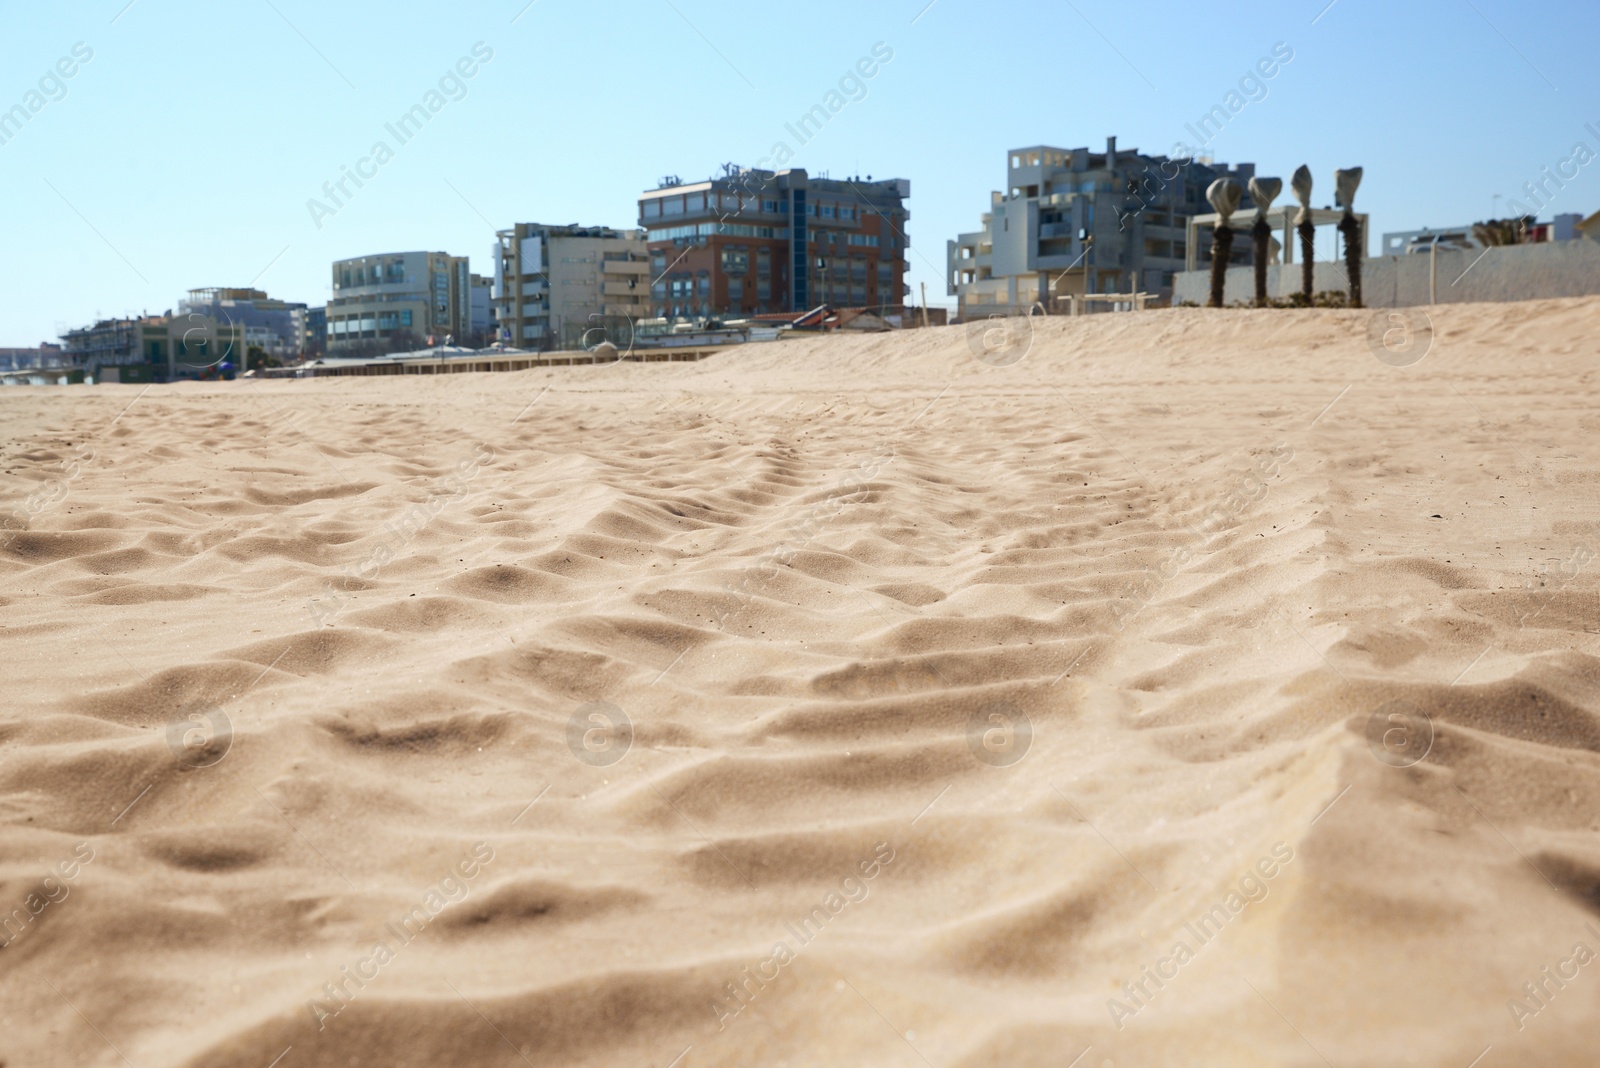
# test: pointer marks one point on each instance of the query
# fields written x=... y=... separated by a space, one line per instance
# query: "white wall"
x=1514 y=272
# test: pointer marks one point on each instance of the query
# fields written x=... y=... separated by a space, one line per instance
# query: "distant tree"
x=1498 y=232
x=256 y=358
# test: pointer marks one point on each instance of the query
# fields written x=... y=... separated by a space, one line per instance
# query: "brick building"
x=752 y=242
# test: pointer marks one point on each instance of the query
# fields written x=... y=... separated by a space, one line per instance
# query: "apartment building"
x=554 y=285
x=753 y=242
x=397 y=301
x=316 y=336
x=276 y=327
x=480 y=319
x=1074 y=221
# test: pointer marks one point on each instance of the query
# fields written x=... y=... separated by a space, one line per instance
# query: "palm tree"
x=1344 y=184
x=1224 y=197
x=1301 y=184
x=1263 y=191
x=1498 y=232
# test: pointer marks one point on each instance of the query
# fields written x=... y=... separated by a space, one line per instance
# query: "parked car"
x=1443 y=242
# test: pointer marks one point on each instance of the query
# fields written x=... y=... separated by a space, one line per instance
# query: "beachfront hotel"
x=1073 y=221
x=555 y=285
x=381 y=299
x=752 y=241
x=276 y=327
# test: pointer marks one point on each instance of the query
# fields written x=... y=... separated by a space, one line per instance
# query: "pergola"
x=1281 y=218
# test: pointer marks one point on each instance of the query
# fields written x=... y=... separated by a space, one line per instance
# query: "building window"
x=735 y=261
x=672 y=206
x=652 y=209
x=763 y=289
x=703 y=282
x=725 y=229
x=828 y=211
x=736 y=290
x=770 y=207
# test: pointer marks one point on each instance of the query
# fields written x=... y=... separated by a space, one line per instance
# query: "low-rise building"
x=398 y=300
x=157 y=348
x=1075 y=222
x=1564 y=227
x=41 y=357
x=755 y=242
x=557 y=285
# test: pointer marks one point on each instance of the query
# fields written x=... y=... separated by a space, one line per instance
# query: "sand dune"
x=1197 y=689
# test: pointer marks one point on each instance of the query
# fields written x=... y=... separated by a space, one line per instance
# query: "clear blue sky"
x=183 y=153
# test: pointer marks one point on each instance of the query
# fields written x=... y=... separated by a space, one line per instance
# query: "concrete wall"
x=1514 y=272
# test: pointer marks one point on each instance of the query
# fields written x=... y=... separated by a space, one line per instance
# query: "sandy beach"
x=1182 y=688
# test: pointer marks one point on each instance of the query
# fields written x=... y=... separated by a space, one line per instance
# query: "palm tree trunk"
x=1308 y=242
x=1221 y=252
x=1351 y=229
x=1262 y=233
